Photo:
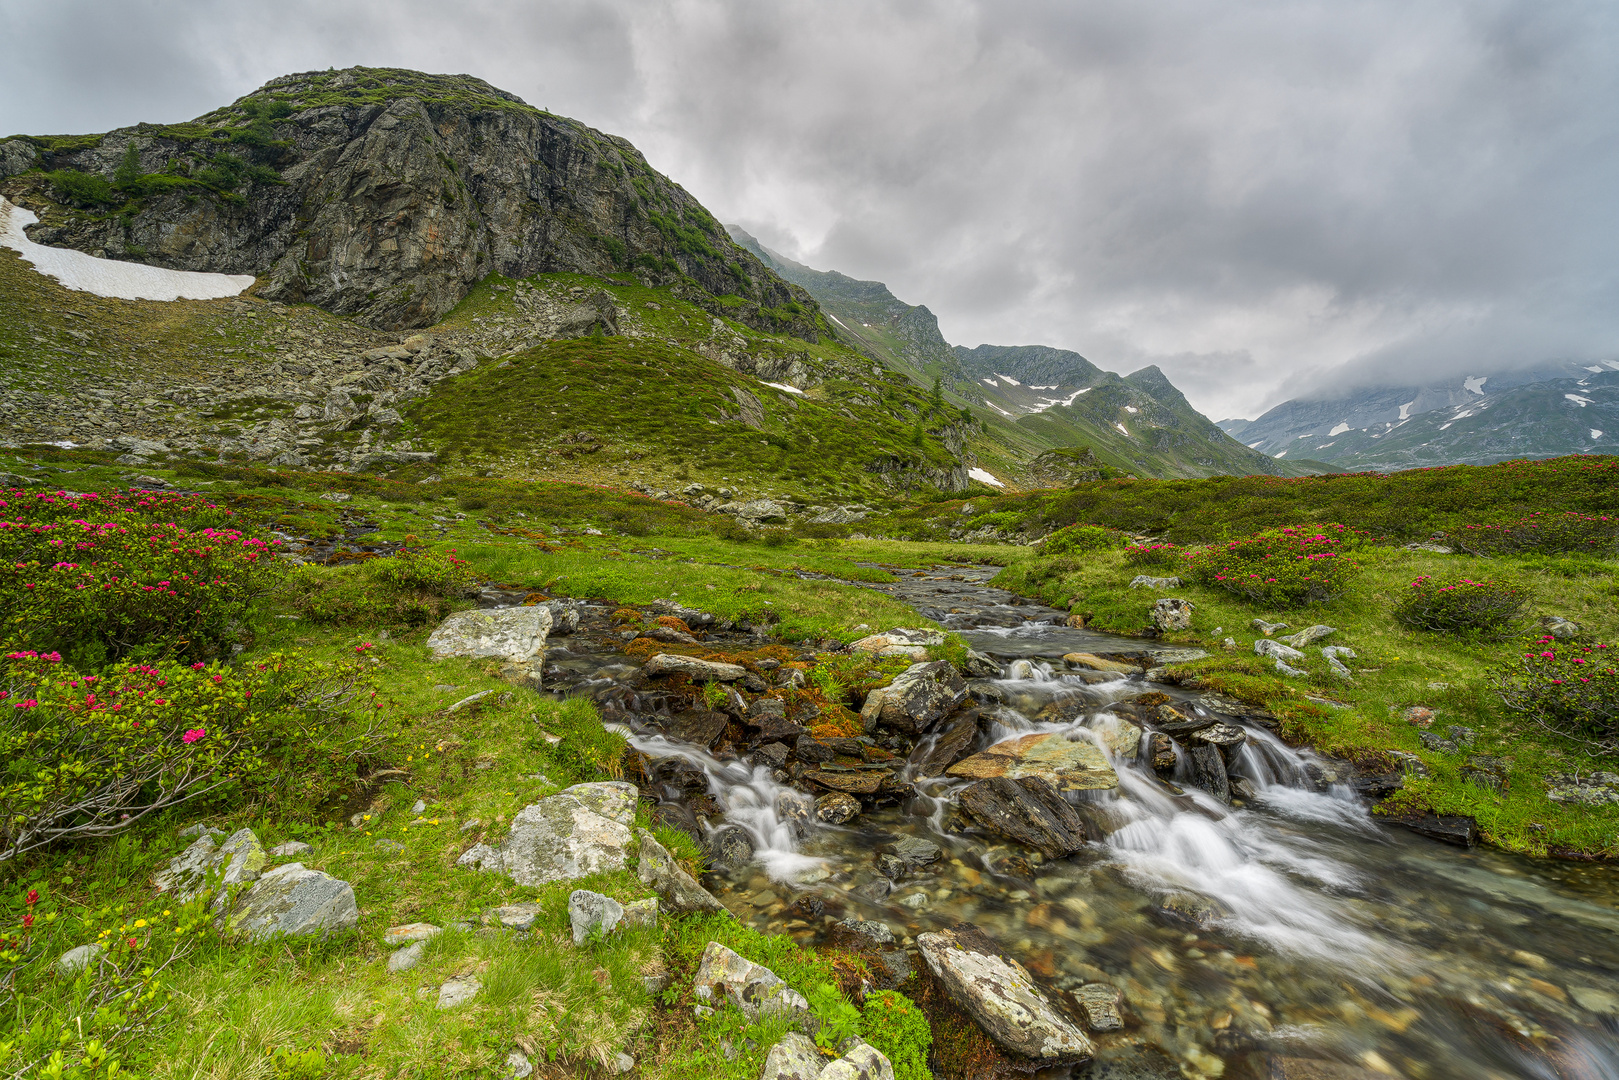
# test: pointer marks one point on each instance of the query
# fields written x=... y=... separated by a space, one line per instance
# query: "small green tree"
x=128 y=177
x=936 y=397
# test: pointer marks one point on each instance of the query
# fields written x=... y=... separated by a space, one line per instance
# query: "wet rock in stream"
x=1028 y=810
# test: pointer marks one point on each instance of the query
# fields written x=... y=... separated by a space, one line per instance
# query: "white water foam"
x=110 y=277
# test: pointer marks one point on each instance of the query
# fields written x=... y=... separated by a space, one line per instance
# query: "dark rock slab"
x=1452 y=829
x=1208 y=770
x=1029 y=810
x=700 y=727
x=949 y=744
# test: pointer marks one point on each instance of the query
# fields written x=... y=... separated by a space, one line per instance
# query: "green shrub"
x=1153 y=556
x=1465 y=606
x=414 y=588
x=1545 y=533
x=892 y=1024
x=1077 y=538
x=100 y=590
x=838 y=1018
x=1278 y=569
x=89 y=190
x=90 y=754
x=775 y=537
x=1570 y=690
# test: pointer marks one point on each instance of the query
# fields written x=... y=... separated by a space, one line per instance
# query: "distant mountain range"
x=1547 y=412
x=1041 y=397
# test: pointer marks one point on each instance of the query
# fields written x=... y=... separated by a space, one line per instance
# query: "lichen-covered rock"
x=921 y=695
x=1172 y=613
x=677 y=890
x=694 y=669
x=837 y=807
x=515 y=635
x=795 y=1057
x=592 y=913
x=582 y=830
x=238 y=861
x=406 y=933
x=860 y=1061
x=76 y=960
x=1068 y=764
x=1002 y=997
x=293 y=901
x=753 y=988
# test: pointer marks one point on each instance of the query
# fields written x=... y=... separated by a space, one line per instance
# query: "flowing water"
x=1290 y=925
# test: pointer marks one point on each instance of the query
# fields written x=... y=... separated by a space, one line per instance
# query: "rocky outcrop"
x=1002 y=997
x=723 y=975
x=582 y=830
x=293 y=901
x=514 y=635
x=387 y=194
x=921 y=695
x=678 y=892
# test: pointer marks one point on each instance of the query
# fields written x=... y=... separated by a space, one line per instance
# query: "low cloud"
x=1263 y=200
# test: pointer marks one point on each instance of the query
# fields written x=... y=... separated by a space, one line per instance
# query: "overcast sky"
x=1262 y=198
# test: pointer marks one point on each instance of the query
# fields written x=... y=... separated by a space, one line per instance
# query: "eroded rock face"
x=582 y=830
x=392 y=210
x=1002 y=997
x=678 y=892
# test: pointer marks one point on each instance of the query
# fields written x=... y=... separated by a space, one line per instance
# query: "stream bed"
x=1282 y=931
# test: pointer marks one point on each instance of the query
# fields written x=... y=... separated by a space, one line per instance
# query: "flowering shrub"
x=1153 y=556
x=1572 y=690
x=91 y=754
x=1077 y=538
x=119 y=997
x=1549 y=534
x=1278 y=569
x=413 y=588
x=99 y=589
x=1465 y=606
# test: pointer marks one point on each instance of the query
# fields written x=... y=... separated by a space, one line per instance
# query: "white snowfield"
x=784 y=386
x=109 y=277
x=984 y=476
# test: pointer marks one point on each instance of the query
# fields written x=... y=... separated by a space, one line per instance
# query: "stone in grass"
x=290 y=849
x=582 y=830
x=517 y=1066
x=795 y=1057
x=1310 y=635
x=591 y=913
x=694 y=669
x=512 y=916
x=860 y=1061
x=388 y=846
x=999 y=993
x=1276 y=650
x=752 y=988
x=481 y=857
x=406 y=958
x=516 y=635
x=1172 y=613
x=404 y=934
x=76 y=960
x=641 y=913
x=678 y=892
x=458 y=992
x=293 y=901
x=238 y=860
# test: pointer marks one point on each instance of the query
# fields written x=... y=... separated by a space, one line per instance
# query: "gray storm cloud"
x=1263 y=199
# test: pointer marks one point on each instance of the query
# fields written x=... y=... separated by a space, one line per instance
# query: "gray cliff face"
x=398 y=192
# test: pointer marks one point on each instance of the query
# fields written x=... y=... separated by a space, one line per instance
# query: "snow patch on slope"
x=109 y=277
x=1475 y=385
x=784 y=386
x=984 y=477
x=1339 y=430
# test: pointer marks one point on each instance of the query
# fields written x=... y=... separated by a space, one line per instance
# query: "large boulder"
x=949 y=744
x=515 y=635
x=293 y=901
x=1028 y=810
x=678 y=892
x=1172 y=613
x=237 y=861
x=860 y=1061
x=582 y=830
x=1068 y=764
x=753 y=988
x=921 y=695
x=1002 y=997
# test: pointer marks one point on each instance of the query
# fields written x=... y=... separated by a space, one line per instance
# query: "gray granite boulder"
x=795 y=1057
x=293 y=901
x=921 y=695
x=592 y=913
x=515 y=635
x=723 y=974
x=582 y=830
x=999 y=993
x=860 y=1061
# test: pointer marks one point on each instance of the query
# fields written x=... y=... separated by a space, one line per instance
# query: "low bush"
x=414 y=588
x=1543 y=533
x=103 y=590
x=91 y=754
x=1153 y=556
x=1278 y=569
x=1465 y=606
x=1077 y=538
x=1570 y=690
x=893 y=1024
